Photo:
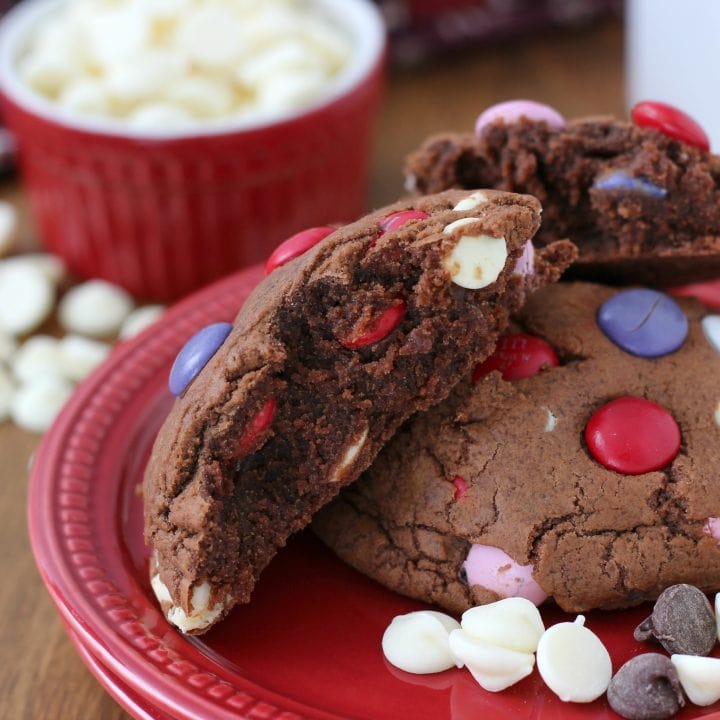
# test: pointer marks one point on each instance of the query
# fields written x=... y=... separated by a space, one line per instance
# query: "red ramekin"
x=164 y=213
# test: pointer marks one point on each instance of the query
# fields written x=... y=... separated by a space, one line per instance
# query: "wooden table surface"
x=579 y=72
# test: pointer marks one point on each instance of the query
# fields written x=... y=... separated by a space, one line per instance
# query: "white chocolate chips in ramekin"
x=173 y=64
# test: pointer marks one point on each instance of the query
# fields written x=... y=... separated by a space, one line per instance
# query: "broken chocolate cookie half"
x=330 y=354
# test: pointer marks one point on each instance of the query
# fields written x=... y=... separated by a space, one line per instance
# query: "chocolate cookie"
x=581 y=465
x=328 y=356
x=643 y=206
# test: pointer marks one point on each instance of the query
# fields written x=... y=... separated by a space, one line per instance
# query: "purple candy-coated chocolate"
x=195 y=355
x=620 y=181
x=513 y=110
x=643 y=322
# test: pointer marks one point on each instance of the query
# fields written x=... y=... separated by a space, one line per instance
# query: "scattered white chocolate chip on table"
x=36 y=404
x=418 y=642
x=573 y=662
x=27 y=297
x=95 y=308
x=140 y=319
x=38 y=356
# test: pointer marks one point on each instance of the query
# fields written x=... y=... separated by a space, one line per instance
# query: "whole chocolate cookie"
x=642 y=206
x=328 y=356
x=572 y=468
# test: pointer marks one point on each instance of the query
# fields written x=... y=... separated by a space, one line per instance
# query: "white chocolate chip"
x=79 y=356
x=7 y=392
x=209 y=36
x=349 y=456
x=573 y=662
x=494 y=668
x=37 y=403
x=717 y=414
x=8 y=227
x=512 y=623
x=170 y=64
x=160 y=590
x=26 y=297
x=95 y=308
x=50 y=265
x=711 y=328
x=8 y=347
x=37 y=357
x=140 y=319
x=86 y=96
x=201 y=615
x=476 y=261
x=158 y=116
x=717 y=613
x=471 y=201
x=699 y=677
x=418 y=642
x=551 y=421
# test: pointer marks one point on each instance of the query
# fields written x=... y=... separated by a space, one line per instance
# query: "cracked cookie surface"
x=593 y=537
x=330 y=354
x=642 y=207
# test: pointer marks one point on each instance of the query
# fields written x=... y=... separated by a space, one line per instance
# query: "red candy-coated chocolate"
x=383 y=326
x=460 y=487
x=671 y=122
x=632 y=436
x=398 y=219
x=295 y=246
x=517 y=356
x=256 y=426
x=708 y=293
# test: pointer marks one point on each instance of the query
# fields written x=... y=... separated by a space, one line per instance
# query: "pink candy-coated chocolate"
x=295 y=246
x=513 y=110
x=460 y=487
x=496 y=571
x=671 y=122
x=526 y=263
x=256 y=426
x=712 y=528
x=383 y=326
x=398 y=219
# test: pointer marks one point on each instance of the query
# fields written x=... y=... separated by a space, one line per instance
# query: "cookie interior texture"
x=658 y=225
x=595 y=538
x=216 y=514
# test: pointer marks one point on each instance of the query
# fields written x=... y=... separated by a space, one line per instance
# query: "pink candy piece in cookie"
x=496 y=571
x=712 y=528
x=526 y=263
x=513 y=110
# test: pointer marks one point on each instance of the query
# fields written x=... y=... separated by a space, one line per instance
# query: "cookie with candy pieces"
x=640 y=199
x=579 y=463
x=352 y=331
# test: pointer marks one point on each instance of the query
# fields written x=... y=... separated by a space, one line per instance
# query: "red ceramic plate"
x=307 y=646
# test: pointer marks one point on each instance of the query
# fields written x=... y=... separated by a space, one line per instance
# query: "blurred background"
x=448 y=60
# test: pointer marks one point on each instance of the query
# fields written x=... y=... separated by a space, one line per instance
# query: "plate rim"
x=83 y=593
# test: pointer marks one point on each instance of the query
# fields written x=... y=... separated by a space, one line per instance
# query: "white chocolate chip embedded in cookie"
x=477 y=260
x=201 y=615
x=472 y=201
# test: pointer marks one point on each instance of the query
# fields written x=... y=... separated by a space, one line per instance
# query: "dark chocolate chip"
x=646 y=688
x=682 y=621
